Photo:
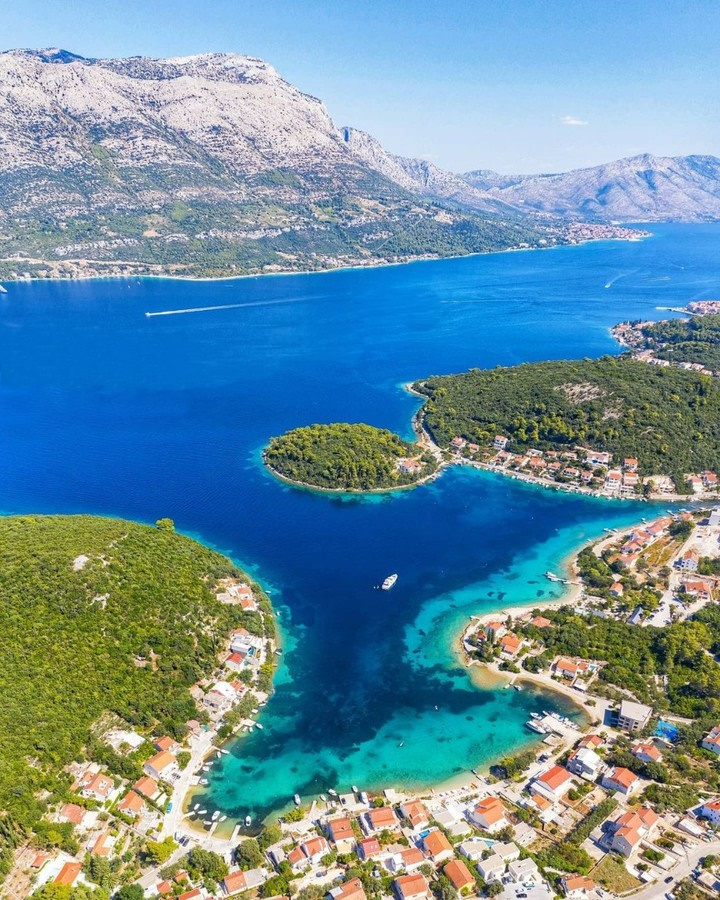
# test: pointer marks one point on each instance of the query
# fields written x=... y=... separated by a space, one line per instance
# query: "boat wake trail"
x=202 y=309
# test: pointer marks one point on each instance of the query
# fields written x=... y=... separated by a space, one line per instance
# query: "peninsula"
x=128 y=651
x=344 y=457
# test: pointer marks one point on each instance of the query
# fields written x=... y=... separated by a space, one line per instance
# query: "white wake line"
x=200 y=309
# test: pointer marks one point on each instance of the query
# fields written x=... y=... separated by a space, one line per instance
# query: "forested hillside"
x=695 y=340
x=97 y=615
x=669 y=419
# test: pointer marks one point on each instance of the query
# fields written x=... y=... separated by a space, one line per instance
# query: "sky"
x=517 y=86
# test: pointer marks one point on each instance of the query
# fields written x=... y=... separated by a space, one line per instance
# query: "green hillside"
x=128 y=631
x=346 y=457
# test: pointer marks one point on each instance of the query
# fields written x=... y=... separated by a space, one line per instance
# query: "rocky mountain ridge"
x=643 y=188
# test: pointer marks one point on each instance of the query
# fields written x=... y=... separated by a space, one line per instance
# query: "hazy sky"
x=511 y=85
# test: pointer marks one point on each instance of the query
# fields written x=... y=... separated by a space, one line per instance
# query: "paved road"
x=680 y=872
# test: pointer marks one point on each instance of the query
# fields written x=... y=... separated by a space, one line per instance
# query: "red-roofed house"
x=412 y=887
x=166 y=743
x=632 y=827
x=369 y=848
x=381 y=818
x=132 y=804
x=351 y=890
x=415 y=813
x=540 y=622
x=162 y=765
x=711 y=810
x=647 y=752
x=341 y=834
x=314 y=849
x=147 y=786
x=459 y=875
x=622 y=780
x=94 y=787
x=489 y=814
x=510 y=645
x=73 y=813
x=576 y=887
x=554 y=783
x=437 y=847
x=69 y=873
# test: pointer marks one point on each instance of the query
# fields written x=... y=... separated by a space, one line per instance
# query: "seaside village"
x=581 y=470
x=582 y=813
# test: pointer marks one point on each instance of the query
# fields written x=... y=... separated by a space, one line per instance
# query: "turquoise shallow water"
x=104 y=410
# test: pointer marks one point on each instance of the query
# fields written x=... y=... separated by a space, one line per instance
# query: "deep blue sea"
x=105 y=410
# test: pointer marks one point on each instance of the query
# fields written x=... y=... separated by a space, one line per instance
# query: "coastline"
x=355 y=492
x=384 y=264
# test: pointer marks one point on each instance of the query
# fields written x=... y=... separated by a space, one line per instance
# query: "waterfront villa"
x=585 y=762
x=162 y=765
x=341 y=834
x=416 y=814
x=381 y=818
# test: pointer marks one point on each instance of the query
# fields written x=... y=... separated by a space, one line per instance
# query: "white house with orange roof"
x=314 y=849
x=415 y=814
x=94 y=786
x=577 y=887
x=647 y=752
x=630 y=829
x=553 y=783
x=412 y=887
x=621 y=780
x=341 y=834
x=489 y=814
x=710 y=810
x=379 y=819
x=585 y=762
x=711 y=741
x=349 y=890
x=510 y=645
x=161 y=766
x=437 y=847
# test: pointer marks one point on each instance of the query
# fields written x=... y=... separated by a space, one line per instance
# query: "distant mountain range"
x=638 y=189
x=215 y=165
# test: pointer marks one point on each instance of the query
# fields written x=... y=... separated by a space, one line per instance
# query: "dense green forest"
x=685 y=340
x=635 y=655
x=668 y=418
x=345 y=457
x=127 y=632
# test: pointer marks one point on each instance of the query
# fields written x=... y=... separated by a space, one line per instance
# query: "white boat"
x=332 y=792
x=355 y=789
x=3 y=290
x=222 y=818
x=323 y=798
x=203 y=781
x=202 y=812
x=258 y=725
x=225 y=752
x=197 y=805
x=551 y=576
x=517 y=687
x=534 y=726
x=215 y=815
x=248 y=821
x=296 y=798
x=389 y=582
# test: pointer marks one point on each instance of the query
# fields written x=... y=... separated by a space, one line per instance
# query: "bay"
x=106 y=410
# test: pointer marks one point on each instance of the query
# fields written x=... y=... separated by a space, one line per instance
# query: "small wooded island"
x=344 y=457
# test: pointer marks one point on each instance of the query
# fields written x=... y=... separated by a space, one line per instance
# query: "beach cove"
x=104 y=410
